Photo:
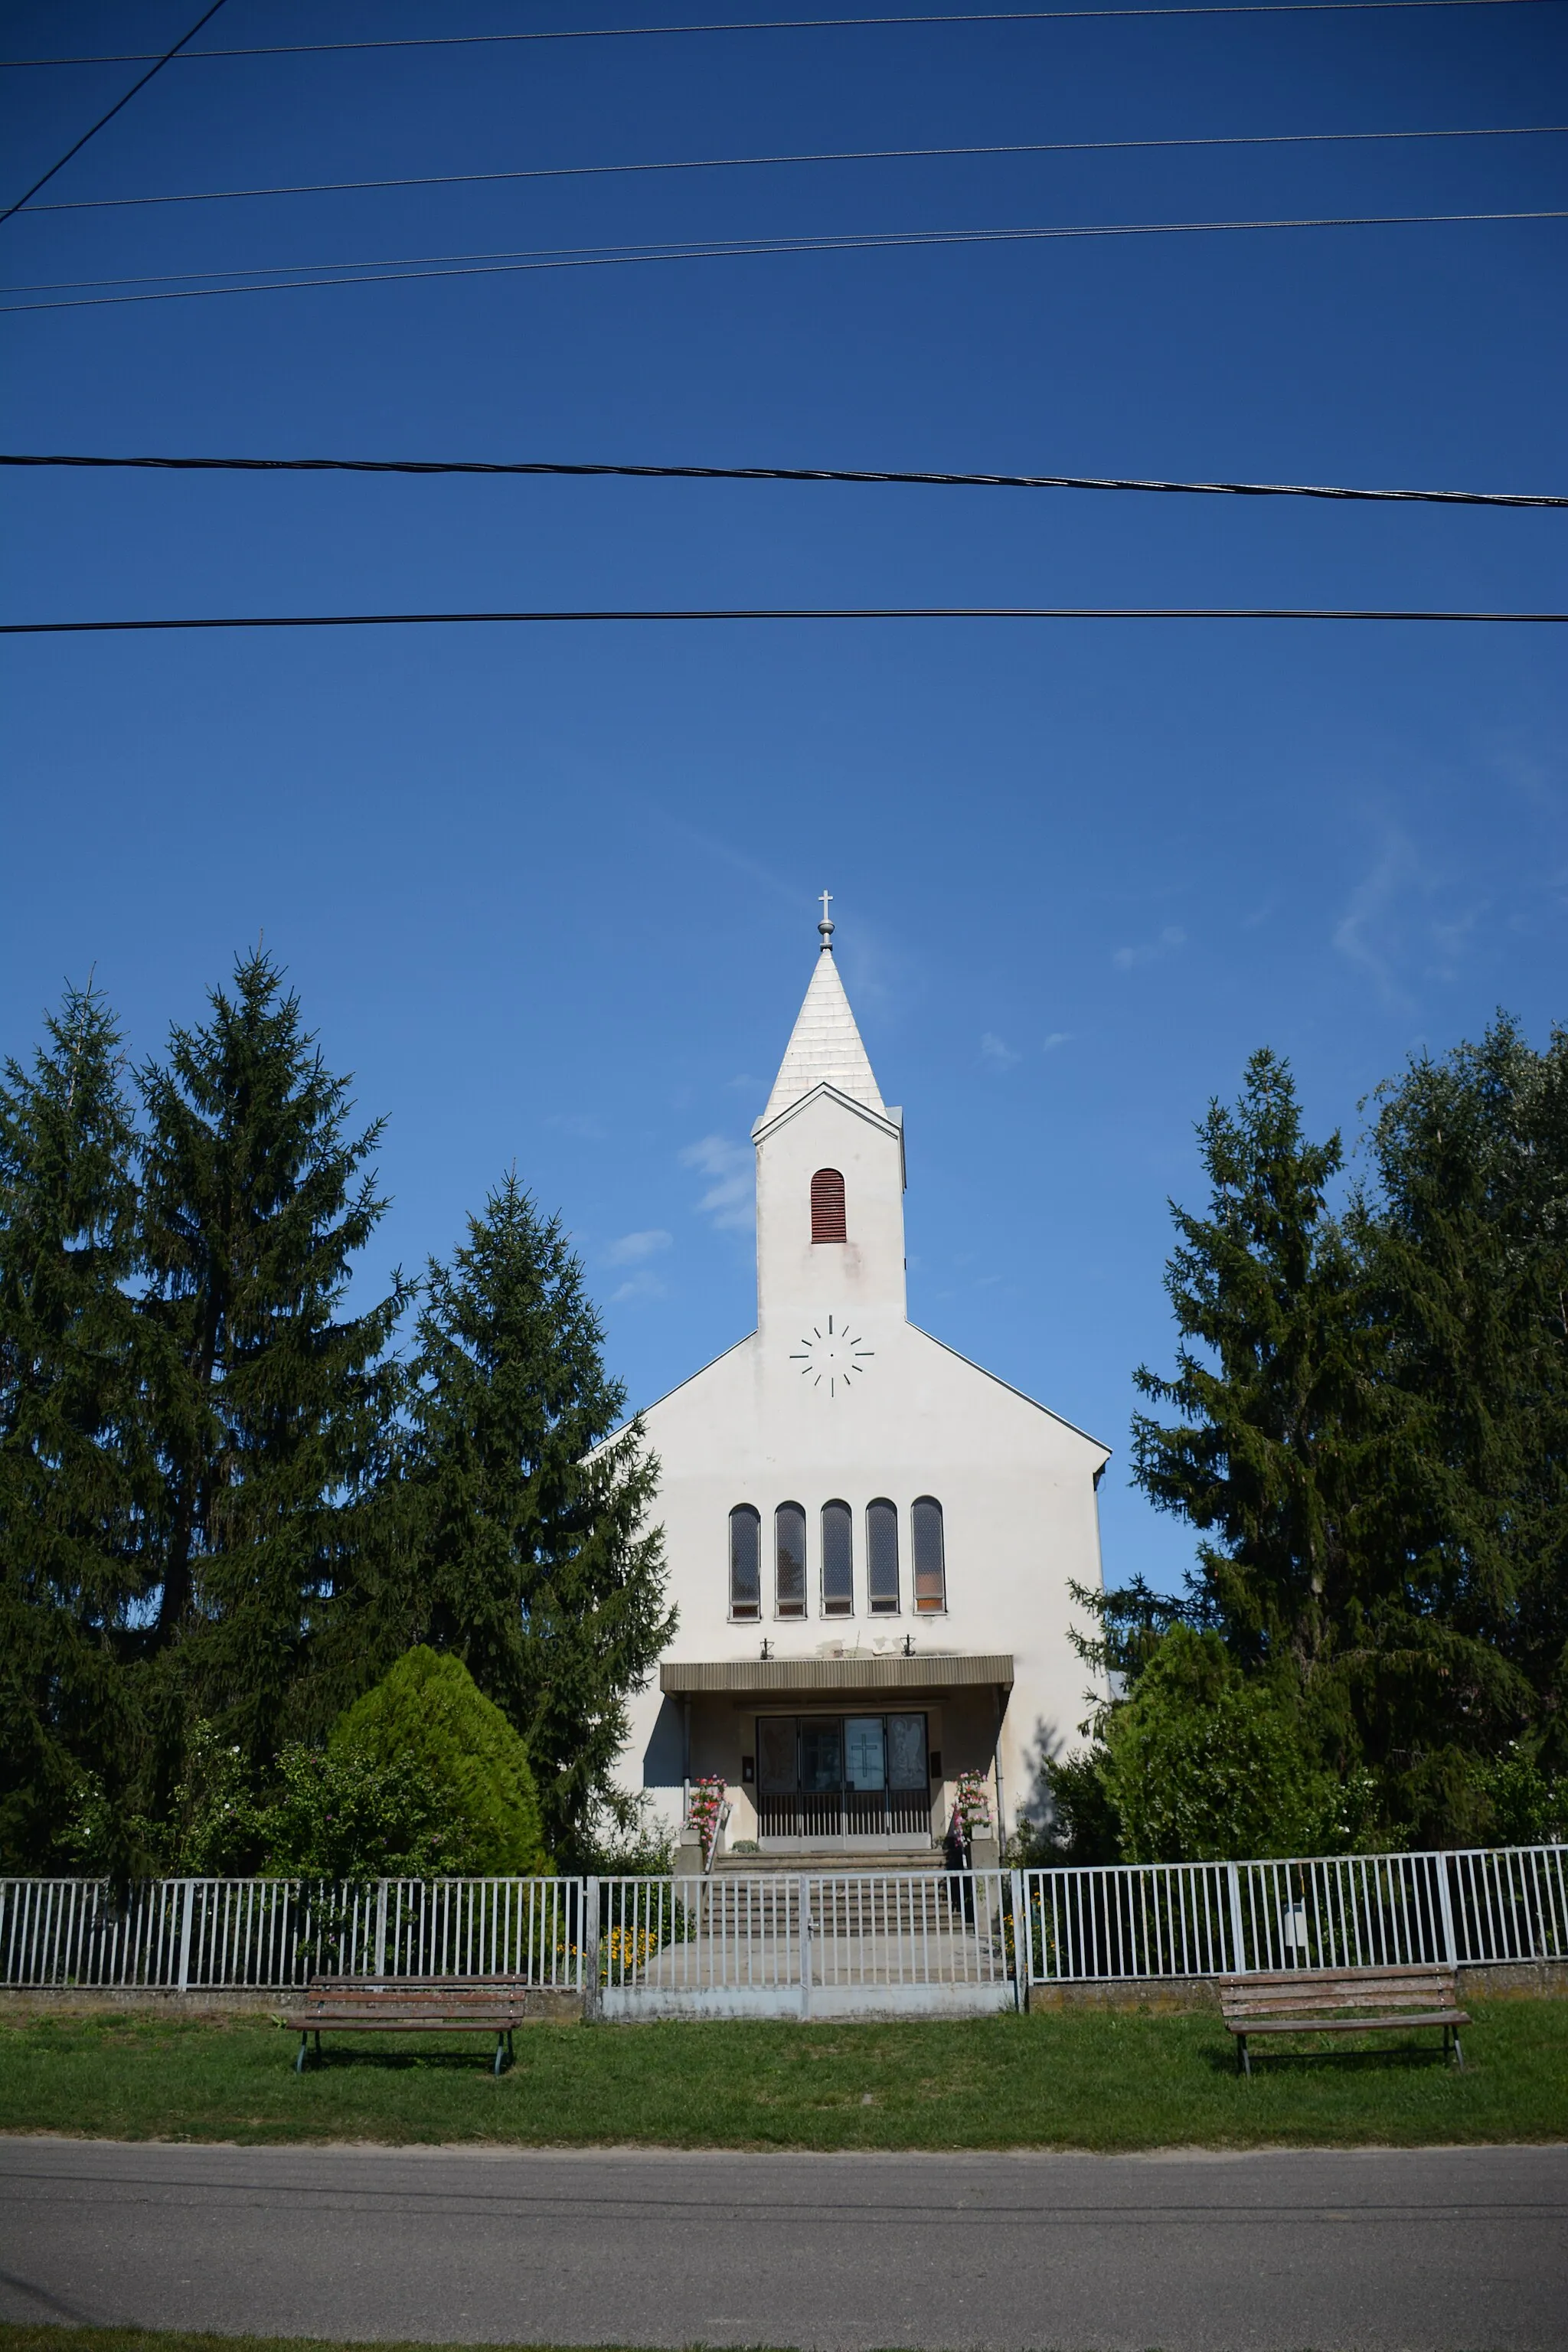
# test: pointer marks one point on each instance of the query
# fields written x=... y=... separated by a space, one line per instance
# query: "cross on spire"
x=825 y=925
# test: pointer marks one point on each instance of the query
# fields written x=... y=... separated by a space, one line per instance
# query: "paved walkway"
x=1347 y=2253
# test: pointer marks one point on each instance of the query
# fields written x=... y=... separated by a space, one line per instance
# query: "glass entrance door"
x=843 y=1775
x=865 y=1773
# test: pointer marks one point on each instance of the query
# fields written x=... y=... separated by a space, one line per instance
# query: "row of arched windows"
x=835 y=1565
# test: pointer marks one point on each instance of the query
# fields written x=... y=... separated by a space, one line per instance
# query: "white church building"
x=869 y=1538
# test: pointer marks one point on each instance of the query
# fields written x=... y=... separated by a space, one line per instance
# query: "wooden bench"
x=410 y=2005
x=1341 y=2000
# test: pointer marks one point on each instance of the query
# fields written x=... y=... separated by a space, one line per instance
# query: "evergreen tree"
x=72 y=1572
x=1275 y=1456
x=1374 y=1430
x=1467 y=1243
x=527 y=1549
x=271 y=1402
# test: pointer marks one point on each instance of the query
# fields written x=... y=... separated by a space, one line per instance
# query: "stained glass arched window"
x=837 y=1560
x=883 y=1559
x=789 y=1544
x=931 y=1567
x=746 y=1562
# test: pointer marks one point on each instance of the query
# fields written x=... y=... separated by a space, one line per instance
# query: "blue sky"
x=549 y=895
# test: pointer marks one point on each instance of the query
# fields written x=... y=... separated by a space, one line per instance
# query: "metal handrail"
x=720 y=1824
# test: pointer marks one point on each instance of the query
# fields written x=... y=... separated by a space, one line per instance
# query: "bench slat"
x=1421 y=1969
x=312 y=2024
x=1241 y=2007
x=1344 y=2025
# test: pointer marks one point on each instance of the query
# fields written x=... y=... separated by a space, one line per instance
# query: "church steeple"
x=831 y=1169
x=825 y=1047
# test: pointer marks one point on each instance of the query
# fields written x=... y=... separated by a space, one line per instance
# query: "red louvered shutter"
x=827 y=1206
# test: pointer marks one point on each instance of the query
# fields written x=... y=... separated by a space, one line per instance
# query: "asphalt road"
x=1462 y=2249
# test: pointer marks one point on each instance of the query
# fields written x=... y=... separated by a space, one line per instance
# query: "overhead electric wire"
x=778 y=612
x=120 y=103
x=792 y=24
x=834 y=155
x=578 y=468
x=507 y=263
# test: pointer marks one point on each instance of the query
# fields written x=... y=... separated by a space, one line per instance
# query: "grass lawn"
x=43 y=2337
x=1083 y=2078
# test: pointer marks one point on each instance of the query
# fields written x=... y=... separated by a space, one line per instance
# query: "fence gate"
x=831 y=1944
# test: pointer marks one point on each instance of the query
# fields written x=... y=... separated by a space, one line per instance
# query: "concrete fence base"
x=1156 y=1996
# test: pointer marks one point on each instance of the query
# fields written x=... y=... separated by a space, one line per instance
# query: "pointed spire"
x=825 y=1047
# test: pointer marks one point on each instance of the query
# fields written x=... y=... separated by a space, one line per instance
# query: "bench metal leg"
x=1243 y=2061
x=1458 y=2054
x=300 y=2054
x=502 y=2051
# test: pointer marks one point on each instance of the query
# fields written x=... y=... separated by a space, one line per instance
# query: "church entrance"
x=823 y=1778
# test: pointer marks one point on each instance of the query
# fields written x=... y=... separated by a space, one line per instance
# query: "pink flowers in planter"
x=971 y=1803
x=705 y=1810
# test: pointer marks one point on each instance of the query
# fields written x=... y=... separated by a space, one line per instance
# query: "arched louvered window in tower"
x=837 y=1560
x=789 y=1541
x=931 y=1568
x=827 y=1206
x=883 y=1559
x=746 y=1562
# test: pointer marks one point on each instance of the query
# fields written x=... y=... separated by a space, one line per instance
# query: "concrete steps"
x=825 y=1863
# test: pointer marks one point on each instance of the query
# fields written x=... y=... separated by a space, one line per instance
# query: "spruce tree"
x=1468 y=1245
x=71 y=1567
x=528 y=1551
x=1376 y=1426
x=271 y=1401
x=1274 y=1456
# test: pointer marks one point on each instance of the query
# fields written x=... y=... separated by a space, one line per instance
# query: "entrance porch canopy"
x=858 y=1671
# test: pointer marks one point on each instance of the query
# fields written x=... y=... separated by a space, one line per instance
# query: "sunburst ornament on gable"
x=832 y=1357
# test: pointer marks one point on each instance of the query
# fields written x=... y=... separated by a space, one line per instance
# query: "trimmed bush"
x=429 y=1707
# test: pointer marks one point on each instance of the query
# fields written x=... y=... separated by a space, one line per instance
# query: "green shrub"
x=1527 y=1806
x=1204 y=1764
x=429 y=1711
x=351 y=1816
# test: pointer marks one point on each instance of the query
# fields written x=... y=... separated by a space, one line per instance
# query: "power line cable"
x=167 y=58
x=570 y=469
x=839 y=155
x=425 y=266
x=779 y=613
x=791 y=24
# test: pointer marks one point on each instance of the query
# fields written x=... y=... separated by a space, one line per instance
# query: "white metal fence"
x=788 y=1944
x=1346 y=1911
x=216 y=1934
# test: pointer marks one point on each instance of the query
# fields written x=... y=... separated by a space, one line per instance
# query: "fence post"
x=803 y=1886
x=188 y=1905
x=1023 y=1945
x=1446 y=1907
x=1238 y=1937
x=588 y=1954
x=381 y=1929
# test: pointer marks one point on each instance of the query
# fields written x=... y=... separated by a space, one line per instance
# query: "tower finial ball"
x=825 y=925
